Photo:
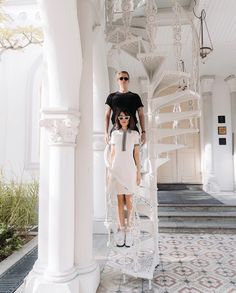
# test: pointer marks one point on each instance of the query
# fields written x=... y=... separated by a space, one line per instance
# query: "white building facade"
x=52 y=128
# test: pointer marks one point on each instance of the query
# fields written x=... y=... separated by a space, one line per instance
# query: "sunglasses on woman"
x=123 y=117
x=125 y=78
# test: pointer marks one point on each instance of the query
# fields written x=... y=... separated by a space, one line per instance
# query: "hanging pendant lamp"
x=206 y=46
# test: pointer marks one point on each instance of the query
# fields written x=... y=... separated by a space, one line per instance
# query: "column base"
x=99 y=227
x=84 y=282
x=211 y=185
x=44 y=286
x=89 y=279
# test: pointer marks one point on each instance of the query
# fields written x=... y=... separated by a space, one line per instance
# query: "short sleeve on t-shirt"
x=136 y=138
x=109 y=101
x=139 y=102
x=113 y=138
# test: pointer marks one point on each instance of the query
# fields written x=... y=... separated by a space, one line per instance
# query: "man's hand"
x=107 y=138
x=143 y=138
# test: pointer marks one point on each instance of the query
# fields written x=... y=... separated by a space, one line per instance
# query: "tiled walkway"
x=189 y=263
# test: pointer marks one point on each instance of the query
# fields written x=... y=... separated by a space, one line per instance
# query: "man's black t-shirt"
x=129 y=101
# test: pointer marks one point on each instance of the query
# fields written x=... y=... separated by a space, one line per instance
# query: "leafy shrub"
x=18 y=213
x=9 y=241
x=18 y=204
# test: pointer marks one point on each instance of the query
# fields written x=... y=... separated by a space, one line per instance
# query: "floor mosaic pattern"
x=189 y=263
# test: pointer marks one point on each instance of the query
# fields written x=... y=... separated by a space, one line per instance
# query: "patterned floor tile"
x=189 y=263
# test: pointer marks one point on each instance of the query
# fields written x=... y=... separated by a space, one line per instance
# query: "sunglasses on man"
x=123 y=117
x=125 y=78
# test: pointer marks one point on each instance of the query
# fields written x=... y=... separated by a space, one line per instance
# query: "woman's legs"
x=121 y=210
x=128 y=234
x=129 y=205
x=123 y=200
x=120 y=235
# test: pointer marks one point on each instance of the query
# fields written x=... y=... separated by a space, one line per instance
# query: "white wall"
x=20 y=81
x=222 y=154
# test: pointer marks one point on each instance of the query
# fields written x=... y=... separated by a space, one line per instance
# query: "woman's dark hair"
x=131 y=124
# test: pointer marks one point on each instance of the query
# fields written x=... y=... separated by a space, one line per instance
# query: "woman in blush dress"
x=125 y=172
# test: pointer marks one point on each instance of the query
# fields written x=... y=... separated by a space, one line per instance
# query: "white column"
x=209 y=179
x=42 y=260
x=100 y=93
x=88 y=269
x=231 y=81
x=63 y=127
x=61 y=119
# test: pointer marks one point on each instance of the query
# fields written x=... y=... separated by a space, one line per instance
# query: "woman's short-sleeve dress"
x=123 y=167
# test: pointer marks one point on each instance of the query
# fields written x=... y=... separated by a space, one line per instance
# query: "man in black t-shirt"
x=124 y=99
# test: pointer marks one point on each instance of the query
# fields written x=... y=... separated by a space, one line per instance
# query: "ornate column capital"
x=231 y=81
x=206 y=83
x=62 y=125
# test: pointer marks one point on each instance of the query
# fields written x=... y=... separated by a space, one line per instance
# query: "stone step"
x=178 y=186
x=190 y=214
x=184 y=208
x=205 y=227
x=201 y=218
x=215 y=218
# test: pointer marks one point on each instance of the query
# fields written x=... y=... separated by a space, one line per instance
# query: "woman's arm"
x=112 y=154
x=107 y=121
x=142 y=124
x=137 y=163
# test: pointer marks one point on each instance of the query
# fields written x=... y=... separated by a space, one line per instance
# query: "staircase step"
x=164 y=147
x=152 y=63
x=177 y=97
x=146 y=225
x=133 y=46
x=167 y=132
x=169 y=117
x=115 y=36
x=168 y=79
x=146 y=262
x=162 y=161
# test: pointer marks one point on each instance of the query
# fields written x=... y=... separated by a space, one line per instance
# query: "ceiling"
x=221 y=22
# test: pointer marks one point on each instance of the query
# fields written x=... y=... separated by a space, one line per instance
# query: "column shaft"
x=87 y=267
x=209 y=179
x=233 y=115
x=100 y=92
x=231 y=81
x=62 y=44
x=61 y=210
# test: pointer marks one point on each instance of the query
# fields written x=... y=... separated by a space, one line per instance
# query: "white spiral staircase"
x=166 y=89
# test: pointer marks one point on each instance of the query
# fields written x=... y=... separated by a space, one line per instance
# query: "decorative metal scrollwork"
x=151 y=22
x=177 y=35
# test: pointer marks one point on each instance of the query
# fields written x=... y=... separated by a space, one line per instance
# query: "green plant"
x=18 y=204
x=9 y=241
